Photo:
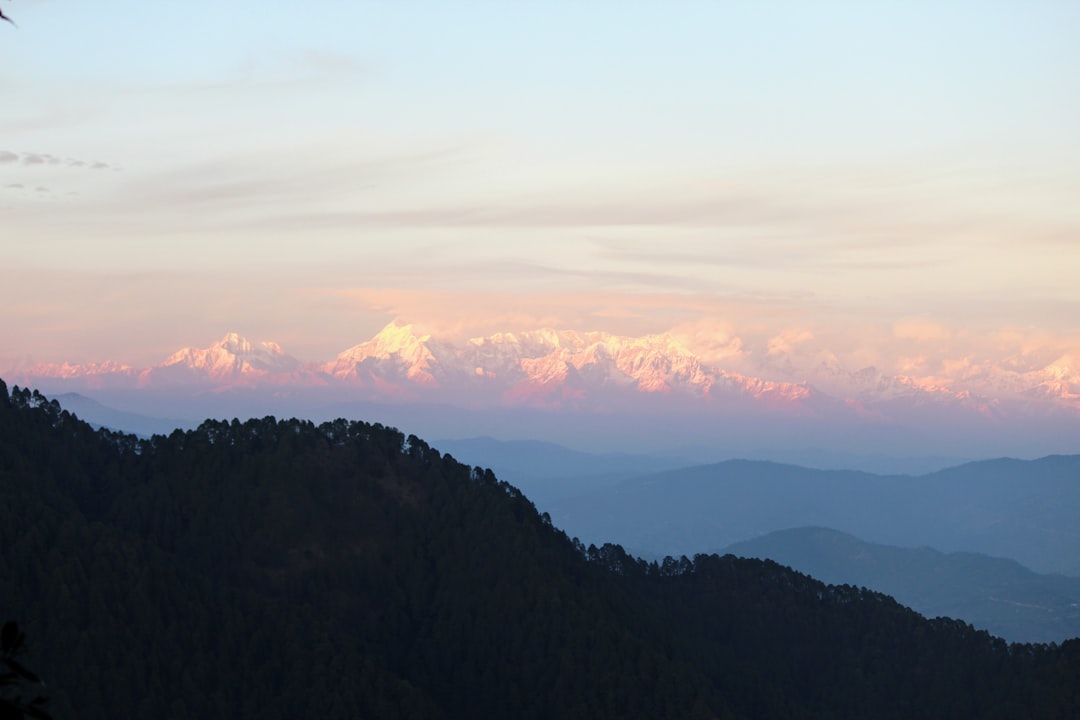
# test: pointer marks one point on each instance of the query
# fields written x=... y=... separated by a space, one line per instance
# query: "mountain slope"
x=104 y=416
x=1020 y=509
x=278 y=569
x=993 y=594
x=548 y=472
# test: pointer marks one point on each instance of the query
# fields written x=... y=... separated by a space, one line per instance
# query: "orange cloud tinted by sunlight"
x=467 y=313
x=920 y=330
x=786 y=341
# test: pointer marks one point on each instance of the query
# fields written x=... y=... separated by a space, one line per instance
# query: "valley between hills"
x=994 y=543
x=576 y=361
x=272 y=568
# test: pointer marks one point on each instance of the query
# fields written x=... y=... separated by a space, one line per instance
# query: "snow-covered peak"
x=394 y=339
x=232 y=356
x=69 y=370
x=653 y=363
x=237 y=344
x=398 y=339
x=395 y=350
x=1065 y=367
x=552 y=367
x=1060 y=381
x=530 y=343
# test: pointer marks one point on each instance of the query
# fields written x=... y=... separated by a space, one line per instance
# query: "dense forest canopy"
x=279 y=569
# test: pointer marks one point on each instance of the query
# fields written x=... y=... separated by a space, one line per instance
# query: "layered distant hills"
x=994 y=594
x=278 y=569
x=1023 y=510
x=610 y=384
x=1004 y=508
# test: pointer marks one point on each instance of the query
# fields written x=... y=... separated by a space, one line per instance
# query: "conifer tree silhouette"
x=15 y=679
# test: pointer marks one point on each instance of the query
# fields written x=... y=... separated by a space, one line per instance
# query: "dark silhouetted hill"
x=278 y=569
x=993 y=594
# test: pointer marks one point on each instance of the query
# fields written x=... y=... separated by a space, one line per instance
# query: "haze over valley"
x=596 y=390
x=564 y=360
x=637 y=440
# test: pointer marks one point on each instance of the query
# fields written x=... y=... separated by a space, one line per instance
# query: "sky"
x=898 y=182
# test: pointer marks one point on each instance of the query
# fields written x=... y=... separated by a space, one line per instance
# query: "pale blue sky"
x=304 y=172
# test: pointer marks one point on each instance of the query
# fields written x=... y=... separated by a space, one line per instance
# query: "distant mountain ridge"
x=597 y=390
x=993 y=594
x=279 y=569
x=1026 y=510
x=99 y=415
x=555 y=368
x=230 y=359
x=544 y=368
x=547 y=472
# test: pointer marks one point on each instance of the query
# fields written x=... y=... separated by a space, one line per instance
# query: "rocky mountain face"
x=233 y=359
x=543 y=368
x=550 y=368
x=540 y=368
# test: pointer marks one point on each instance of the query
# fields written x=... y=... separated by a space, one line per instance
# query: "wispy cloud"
x=465 y=312
x=273 y=186
x=31 y=159
x=756 y=225
x=785 y=342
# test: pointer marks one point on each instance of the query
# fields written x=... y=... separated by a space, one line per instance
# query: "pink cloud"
x=786 y=341
x=920 y=330
x=712 y=339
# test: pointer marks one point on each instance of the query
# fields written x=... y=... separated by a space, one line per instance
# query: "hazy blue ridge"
x=1026 y=510
x=279 y=569
x=994 y=594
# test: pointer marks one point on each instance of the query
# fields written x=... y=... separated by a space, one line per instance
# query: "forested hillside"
x=278 y=569
x=1025 y=510
x=994 y=594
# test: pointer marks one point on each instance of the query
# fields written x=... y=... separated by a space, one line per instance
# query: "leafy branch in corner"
x=14 y=679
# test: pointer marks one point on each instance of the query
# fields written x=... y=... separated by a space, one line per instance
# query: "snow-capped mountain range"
x=557 y=368
x=232 y=357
